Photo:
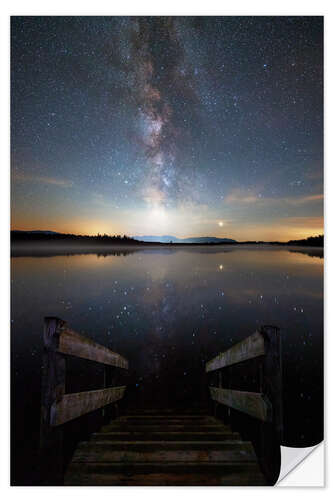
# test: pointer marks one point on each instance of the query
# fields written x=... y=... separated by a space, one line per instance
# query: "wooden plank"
x=167 y=418
x=166 y=421
x=167 y=412
x=74 y=405
x=163 y=428
x=164 y=474
x=73 y=343
x=162 y=451
x=252 y=403
x=138 y=435
x=251 y=347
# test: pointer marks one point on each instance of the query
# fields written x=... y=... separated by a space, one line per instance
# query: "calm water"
x=168 y=311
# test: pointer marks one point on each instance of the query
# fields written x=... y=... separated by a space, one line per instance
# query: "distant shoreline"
x=49 y=238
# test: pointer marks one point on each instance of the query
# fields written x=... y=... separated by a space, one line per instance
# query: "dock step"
x=164 y=474
x=168 y=451
x=167 y=411
x=164 y=426
x=160 y=420
x=165 y=449
x=139 y=435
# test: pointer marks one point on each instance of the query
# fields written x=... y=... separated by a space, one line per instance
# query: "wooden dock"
x=164 y=447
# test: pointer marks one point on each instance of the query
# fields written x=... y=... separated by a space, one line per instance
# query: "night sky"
x=188 y=126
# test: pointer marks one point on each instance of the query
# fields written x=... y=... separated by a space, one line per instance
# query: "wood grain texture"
x=162 y=451
x=252 y=403
x=74 y=405
x=162 y=427
x=251 y=347
x=73 y=343
x=165 y=474
x=140 y=435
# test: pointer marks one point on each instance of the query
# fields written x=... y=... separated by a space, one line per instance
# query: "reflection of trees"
x=117 y=253
x=51 y=249
x=311 y=252
x=22 y=250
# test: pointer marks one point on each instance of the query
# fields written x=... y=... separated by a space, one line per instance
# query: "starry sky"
x=188 y=126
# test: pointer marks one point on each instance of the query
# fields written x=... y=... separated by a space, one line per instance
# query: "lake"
x=168 y=310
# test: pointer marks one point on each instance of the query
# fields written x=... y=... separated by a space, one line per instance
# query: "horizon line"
x=156 y=236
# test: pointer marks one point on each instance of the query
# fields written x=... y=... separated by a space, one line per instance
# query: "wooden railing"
x=57 y=408
x=266 y=404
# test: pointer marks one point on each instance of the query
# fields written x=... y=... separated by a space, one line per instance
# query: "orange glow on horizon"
x=291 y=230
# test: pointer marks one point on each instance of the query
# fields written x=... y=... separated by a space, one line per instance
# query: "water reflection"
x=312 y=252
x=47 y=250
x=168 y=310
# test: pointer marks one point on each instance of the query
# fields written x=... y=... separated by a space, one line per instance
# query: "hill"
x=174 y=239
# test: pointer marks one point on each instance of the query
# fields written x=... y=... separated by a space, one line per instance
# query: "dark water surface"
x=168 y=310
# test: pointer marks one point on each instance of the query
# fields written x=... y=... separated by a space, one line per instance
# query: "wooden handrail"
x=76 y=404
x=57 y=407
x=253 y=403
x=265 y=405
x=251 y=347
x=73 y=343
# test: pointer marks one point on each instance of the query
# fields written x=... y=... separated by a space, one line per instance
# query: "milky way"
x=157 y=80
x=200 y=119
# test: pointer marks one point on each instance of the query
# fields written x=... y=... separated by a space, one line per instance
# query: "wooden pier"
x=165 y=449
x=162 y=447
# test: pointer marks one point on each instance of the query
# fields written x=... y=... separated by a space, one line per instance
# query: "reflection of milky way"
x=163 y=304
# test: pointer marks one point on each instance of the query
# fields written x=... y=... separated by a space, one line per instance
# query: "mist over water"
x=168 y=311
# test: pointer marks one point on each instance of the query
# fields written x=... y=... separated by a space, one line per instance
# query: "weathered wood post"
x=53 y=389
x=272 y=376
x=271 y=433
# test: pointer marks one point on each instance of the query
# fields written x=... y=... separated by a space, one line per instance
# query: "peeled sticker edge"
x=292 y=458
